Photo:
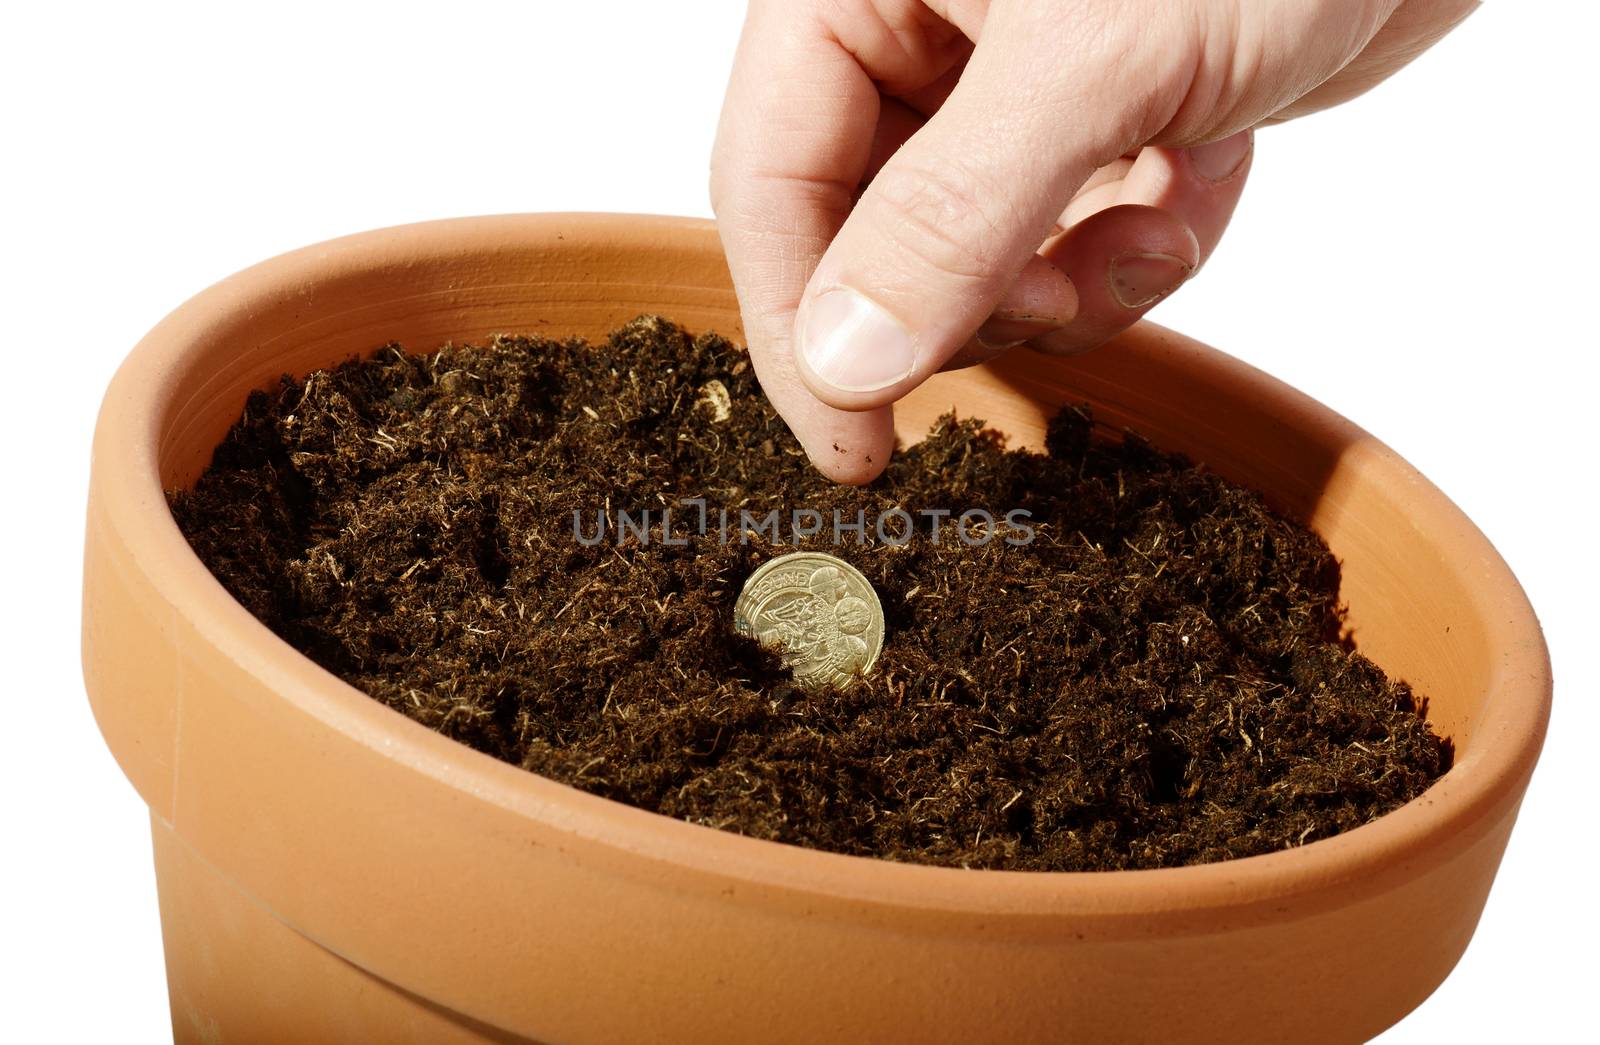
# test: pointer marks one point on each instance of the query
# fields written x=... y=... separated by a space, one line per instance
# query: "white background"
x=1421 y=260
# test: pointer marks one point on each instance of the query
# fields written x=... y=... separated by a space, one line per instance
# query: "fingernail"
x=1221 y=160
x=1138 y=280
x=854 y=344
x=1007 y=329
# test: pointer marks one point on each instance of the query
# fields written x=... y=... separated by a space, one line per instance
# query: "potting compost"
x=1098 y=657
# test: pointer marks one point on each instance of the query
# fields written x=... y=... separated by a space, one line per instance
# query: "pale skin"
x=906 y=186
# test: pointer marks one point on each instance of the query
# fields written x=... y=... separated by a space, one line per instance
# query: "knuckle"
x=943 y=215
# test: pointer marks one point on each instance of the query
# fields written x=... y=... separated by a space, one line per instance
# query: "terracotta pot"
x=330 y=870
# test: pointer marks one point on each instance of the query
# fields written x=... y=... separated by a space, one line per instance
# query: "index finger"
x=793 y=143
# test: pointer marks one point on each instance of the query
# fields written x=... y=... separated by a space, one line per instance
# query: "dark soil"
x=1156 y=679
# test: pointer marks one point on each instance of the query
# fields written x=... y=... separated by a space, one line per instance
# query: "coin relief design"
x=818 y=612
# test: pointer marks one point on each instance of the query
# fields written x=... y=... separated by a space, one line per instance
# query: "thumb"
x=954 y=217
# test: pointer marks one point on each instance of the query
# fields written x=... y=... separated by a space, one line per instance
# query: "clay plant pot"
x=331 y=870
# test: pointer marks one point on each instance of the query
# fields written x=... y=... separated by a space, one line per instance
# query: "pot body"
x=331 y=871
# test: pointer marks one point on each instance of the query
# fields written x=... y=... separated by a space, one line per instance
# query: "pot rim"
x=1425 y=831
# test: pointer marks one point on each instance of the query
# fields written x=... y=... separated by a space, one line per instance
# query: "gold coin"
x=817 y=612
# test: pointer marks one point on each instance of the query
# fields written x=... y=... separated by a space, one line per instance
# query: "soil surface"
x=1156 y=678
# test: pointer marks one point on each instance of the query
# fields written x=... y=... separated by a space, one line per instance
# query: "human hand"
x=1036 y=172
